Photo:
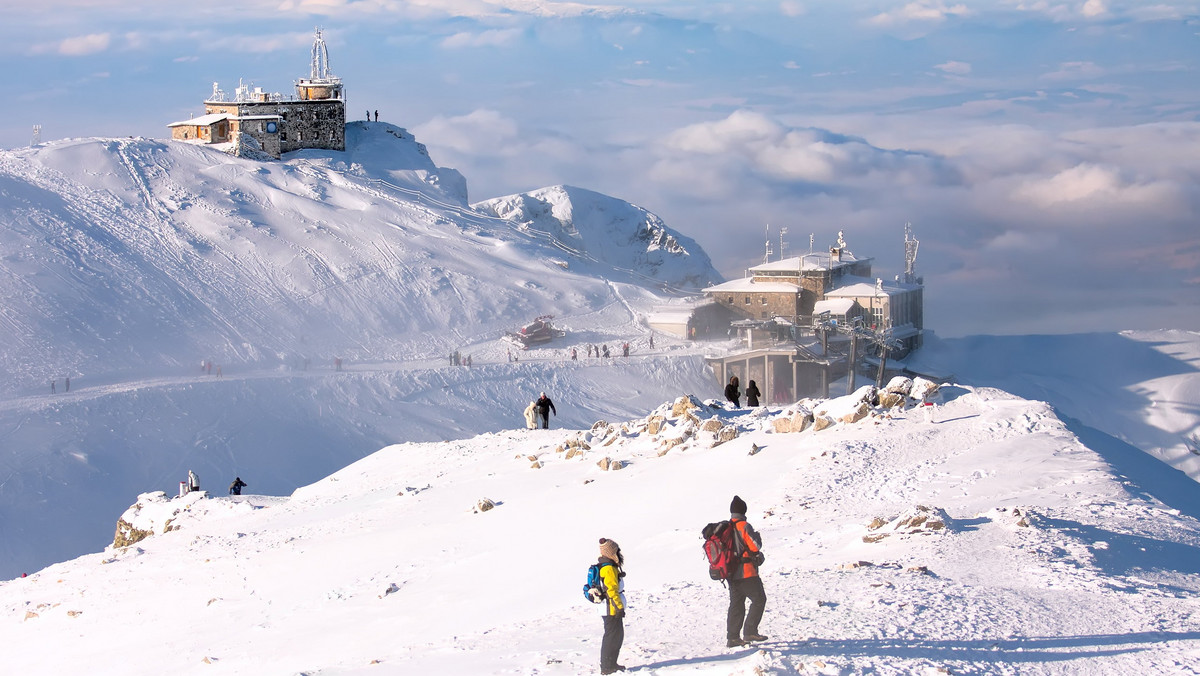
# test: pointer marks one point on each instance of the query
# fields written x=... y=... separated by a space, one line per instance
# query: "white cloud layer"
x=920 y=11
x=84 y=45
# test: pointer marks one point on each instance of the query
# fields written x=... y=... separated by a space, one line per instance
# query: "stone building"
x=794 y=317
x=314 y=118
x=838 y=283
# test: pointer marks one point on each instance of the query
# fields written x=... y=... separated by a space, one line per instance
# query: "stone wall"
x=302 y=124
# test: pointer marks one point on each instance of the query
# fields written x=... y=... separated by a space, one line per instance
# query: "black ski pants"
x=740 y=590
x=614 y=636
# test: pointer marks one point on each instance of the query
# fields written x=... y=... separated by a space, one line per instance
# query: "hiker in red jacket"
x=744 y=582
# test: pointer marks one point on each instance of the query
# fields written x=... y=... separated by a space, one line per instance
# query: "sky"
x=1045 y=152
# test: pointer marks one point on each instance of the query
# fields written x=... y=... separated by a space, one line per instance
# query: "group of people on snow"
x=734 y=394
x=741 y=625
x=538 y=412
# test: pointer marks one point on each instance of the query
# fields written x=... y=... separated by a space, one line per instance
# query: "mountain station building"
x=314 y=118
x=795 y=317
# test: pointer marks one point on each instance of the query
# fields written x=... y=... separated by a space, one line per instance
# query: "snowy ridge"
x=1049 y=561
x=126 y=254
x=126 y=264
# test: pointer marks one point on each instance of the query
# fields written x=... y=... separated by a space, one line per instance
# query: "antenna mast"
x=767 y=236
x=37 y=136
x=910 y=254
x=320 y=59
x=782 y=232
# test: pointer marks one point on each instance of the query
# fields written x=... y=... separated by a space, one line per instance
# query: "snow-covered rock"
x=599 y=228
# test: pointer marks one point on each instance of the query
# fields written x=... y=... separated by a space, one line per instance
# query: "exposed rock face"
x=711 y=425
x=608 y=464
x=891 y=399
x=484 y=505
x=127 y=535
x=151 y=514
x=918 y=520
x=923 y=389
x=862 y=411
x=686 y=404
x=654 y=424
x=821 y=422
x=793 y=419
x=727 y=433
x=899 y=385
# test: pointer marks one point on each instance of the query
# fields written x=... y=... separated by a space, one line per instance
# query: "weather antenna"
x=910 y=254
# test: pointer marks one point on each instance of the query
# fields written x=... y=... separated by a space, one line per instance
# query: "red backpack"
x=721 y=549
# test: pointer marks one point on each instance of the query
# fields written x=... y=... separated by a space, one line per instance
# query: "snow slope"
x=1137 y=388
x=128 y=256
x=126 y=263
x=1048 y=560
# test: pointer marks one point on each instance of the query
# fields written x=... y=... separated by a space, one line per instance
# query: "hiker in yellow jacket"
x=614 y=605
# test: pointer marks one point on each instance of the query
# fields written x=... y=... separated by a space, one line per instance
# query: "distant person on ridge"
x=531 y=415
x=193 y=483
x=744 y=582
x=236 y=487
x=613 y=607
x=733 y=393
x=544 y=406
x=752 y=394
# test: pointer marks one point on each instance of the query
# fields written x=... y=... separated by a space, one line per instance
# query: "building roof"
x=748 y=285
x=818 y=260
x=834 y=306
x=202 y=121
x=859 y=287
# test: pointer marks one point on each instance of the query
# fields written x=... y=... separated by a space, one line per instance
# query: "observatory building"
x=314 y=118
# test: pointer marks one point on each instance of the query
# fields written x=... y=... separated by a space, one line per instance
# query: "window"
x=747 y=300
x=764 y=300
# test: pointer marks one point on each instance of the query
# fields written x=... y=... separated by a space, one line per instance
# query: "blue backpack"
x=593 y=589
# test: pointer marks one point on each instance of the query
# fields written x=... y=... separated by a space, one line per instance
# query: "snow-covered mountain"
x=1001 y=535
x=983 y=539
x=124 y=255
x=609 y=231
x=127 y=263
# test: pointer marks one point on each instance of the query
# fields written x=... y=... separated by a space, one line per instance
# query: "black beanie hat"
x=738 y=506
